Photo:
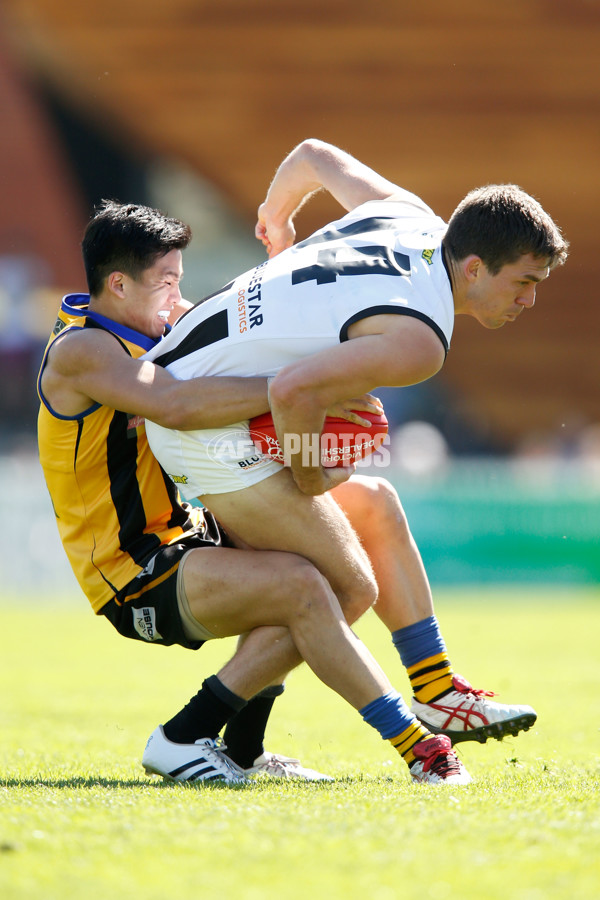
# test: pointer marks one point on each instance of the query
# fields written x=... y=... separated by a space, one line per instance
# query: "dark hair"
x=128 y=238
x=500 y=223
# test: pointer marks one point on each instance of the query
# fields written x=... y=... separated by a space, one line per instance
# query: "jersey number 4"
x=334 y=261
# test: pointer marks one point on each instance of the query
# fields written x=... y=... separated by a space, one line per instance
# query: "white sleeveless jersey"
x=383 y=257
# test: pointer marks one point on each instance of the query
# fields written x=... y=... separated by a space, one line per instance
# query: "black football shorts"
x=147 y=608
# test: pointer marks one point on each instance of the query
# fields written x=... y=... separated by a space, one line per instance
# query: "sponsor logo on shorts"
x=144 y=622
x=428 y=256
x=149 y=569
x=249 y=463
x=179 y=479
x=235 y=448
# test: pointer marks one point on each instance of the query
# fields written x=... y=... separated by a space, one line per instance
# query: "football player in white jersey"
x=368 y=301
x=387 y=272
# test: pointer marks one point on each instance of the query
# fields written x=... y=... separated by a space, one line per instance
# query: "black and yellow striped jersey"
x=113 y=503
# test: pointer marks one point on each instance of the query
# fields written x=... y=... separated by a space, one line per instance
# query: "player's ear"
x=116 y=284
x=472 y=266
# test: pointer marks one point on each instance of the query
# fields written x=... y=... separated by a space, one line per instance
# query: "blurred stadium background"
x=189 y=105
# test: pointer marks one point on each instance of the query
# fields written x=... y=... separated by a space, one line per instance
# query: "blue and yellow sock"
x=391 y=717
x=423 y=653
x=406 y=740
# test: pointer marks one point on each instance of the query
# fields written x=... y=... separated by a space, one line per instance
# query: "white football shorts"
x=211 y=461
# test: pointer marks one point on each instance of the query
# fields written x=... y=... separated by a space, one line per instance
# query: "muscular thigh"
x=275 y=515
x=231 y=591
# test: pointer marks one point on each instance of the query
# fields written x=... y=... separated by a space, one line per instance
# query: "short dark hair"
x=500 y=223
x=128 y=238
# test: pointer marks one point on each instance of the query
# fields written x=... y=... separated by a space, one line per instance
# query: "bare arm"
x=313 y=165
x=387 y=350
x=87 y=367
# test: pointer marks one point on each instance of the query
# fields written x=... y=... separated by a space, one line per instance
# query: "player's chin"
x=158 y=328
x=494 y=324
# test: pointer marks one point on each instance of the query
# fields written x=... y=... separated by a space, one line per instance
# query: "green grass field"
x=79 y=818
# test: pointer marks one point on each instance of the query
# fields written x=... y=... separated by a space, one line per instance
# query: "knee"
x=361 y=600
x=362 y=593
x=386 y=511
x=314 y=600
x=306 y=589
x=313 y=595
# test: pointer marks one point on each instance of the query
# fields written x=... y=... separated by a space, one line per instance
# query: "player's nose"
x=526 y=297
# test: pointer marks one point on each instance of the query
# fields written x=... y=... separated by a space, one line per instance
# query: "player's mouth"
x=164 y=314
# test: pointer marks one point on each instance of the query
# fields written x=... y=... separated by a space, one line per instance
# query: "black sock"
x=205 y=714
x=245 y=731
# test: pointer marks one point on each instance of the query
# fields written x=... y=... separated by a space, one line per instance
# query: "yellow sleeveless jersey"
x=113 y=503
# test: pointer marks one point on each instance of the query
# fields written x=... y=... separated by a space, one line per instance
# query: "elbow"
x=173 y=412
x=311 y=146
x=287 y=390
x=170 y=418
x=311 y=151
x=280 y=391
x=175 y=421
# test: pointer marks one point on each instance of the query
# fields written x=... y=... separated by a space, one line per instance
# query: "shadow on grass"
x=81 y=782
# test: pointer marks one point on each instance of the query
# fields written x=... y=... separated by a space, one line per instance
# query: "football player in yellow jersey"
x=155 y=568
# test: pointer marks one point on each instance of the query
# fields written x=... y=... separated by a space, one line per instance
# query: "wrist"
x=309 y=479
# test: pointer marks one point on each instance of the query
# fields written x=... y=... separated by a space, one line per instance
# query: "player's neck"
x=451 y=267
x=104 y=307
x=458 y=283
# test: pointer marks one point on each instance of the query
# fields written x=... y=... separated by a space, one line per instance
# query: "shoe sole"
x=150 y=771
x=443 y=782
x=211 y=780
x=497 y=731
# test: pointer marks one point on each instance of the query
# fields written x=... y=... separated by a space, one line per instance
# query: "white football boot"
x=275 y=766
x=203 y=760
x=437 y=763
x=465 y=714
